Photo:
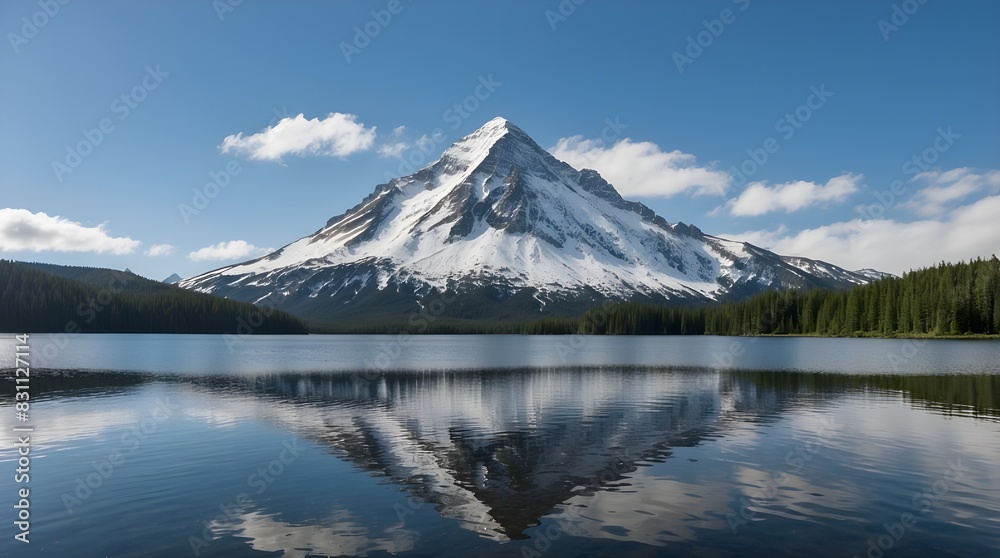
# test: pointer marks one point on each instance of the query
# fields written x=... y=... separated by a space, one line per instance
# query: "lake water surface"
x=172 y=446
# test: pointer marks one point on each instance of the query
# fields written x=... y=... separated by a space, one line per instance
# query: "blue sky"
x=879 y=120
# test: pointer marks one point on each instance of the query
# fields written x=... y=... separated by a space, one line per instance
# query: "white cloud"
x=945 y=188
x=22 y=230
x=758 y=198
x=965 y=232
x=232 y=250
x=397 y=144
x=642 y=169
x=395 y=149
x=337 y=135
x=160 y=250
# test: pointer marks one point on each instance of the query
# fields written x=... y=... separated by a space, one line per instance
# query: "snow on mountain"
x=874 y=274
x=499 y=216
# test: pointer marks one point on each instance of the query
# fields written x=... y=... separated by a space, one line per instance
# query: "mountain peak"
x=477 y=145
x=496 y=121
x=498 y=144
x=501 y=125
x=492 y=131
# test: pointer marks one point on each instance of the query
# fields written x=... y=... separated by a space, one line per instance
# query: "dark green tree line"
x=108 y=301
x=947 y=299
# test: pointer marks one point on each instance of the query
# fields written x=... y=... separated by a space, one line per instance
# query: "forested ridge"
x=43 y=298
x=944 y=300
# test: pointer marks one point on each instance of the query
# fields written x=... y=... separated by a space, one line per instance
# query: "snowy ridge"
x=873 y=274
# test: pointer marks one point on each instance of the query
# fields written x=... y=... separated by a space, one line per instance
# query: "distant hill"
x=99 y=276
x=172 y=279
x=47 y=298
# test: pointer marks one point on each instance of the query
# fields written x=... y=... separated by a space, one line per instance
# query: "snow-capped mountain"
x=506 y=230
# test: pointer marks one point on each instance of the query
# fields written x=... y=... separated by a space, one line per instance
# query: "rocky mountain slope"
x=498 y=228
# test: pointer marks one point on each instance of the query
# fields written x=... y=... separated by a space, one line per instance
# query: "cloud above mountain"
x=157 y=250
x=944 y=190
x=642 y=168
x=231 y=250
x=759 y=198
x=337 y=135
x=968 y=231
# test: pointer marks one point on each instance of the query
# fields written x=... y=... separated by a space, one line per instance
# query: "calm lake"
x=190 y=445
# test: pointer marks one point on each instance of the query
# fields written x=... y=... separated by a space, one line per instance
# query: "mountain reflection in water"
x=622 y=455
